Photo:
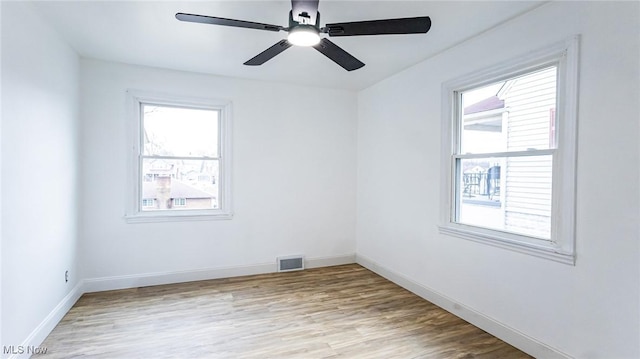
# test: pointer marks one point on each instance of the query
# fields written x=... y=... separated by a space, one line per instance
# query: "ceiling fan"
x=304 y=30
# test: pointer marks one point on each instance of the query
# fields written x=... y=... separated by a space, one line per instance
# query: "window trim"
x=134 y=214
x=561 y=248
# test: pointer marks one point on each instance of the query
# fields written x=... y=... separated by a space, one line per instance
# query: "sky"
x=181 y=131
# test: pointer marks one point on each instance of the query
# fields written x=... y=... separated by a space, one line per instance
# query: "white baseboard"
x=40 y=333
x=519 y=340
x=319 y=262
x=149 y=279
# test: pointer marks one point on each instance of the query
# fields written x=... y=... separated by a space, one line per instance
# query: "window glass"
x=521 y=205
x=513 y=122
x=165 y=180
x=513 y=115
x=174 y=131
x=179 y=165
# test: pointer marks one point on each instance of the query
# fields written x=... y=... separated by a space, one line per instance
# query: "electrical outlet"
x=66 y=276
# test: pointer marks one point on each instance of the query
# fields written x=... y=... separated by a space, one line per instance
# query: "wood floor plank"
x=333 y=312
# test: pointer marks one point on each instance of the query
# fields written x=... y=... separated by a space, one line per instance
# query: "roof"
x=178 y=190
x=490 y=103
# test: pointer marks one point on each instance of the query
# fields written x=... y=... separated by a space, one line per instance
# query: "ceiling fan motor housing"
x=304 y=15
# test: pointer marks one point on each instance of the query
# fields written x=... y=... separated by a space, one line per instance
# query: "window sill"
x=176 y=217
x=494 y=238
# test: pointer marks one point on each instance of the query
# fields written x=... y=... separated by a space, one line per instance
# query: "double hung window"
x=509 y=154
x=180 y=158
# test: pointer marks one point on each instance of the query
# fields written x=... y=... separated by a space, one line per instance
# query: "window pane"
x=513 y=115
x=180 y=132
x=179 y=184
x=511 y=194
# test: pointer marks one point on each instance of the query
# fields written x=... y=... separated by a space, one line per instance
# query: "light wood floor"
x=334 y=312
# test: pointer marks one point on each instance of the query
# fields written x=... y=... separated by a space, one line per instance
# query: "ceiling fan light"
x=304 y=35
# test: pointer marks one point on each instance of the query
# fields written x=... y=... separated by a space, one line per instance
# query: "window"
x=509 y=154
x=180 y=159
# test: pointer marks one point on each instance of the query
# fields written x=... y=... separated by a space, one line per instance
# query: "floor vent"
x=290 y=263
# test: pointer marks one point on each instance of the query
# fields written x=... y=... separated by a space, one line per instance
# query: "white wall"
x=587 y=310
x=294 y=172
x=39 y=172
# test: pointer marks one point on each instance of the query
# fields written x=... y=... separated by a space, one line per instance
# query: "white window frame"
x=561 y=246
x=134 y=214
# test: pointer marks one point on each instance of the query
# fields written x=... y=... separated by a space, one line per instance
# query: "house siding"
x=531 y=101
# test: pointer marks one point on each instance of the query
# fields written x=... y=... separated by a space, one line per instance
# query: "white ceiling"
x=147 y=33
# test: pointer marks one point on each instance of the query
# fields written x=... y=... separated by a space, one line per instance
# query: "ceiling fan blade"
x=301 y=6
x=203 y=19
x=269 y=53
x=338 y=55
x=409 y=25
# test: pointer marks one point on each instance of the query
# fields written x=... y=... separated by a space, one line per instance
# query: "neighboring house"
x=193 y=177
x=168 y=193
x=483 y=123
x=158 y=168
x=510 y=120
x=176 y=185
x=531 y=124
